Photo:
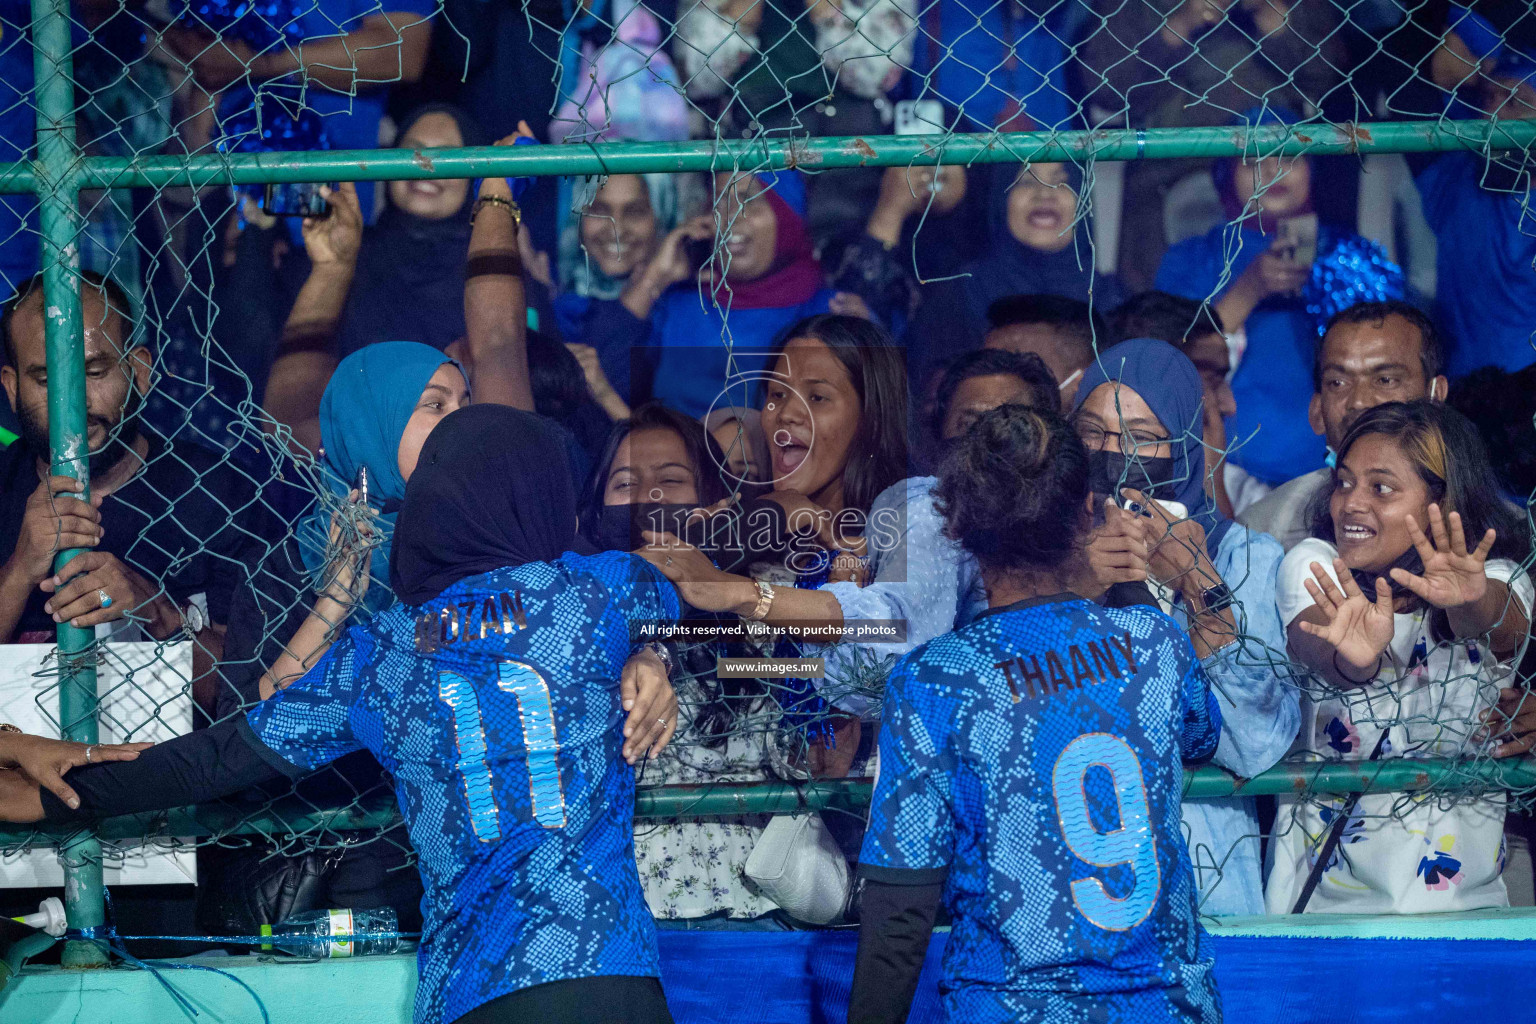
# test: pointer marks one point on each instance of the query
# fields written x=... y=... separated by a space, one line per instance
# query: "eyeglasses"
x=1130 y=441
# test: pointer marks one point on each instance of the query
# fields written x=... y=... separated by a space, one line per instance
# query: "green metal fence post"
x=57 y=191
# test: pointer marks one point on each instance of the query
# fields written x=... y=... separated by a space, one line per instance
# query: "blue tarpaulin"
x=804 y=978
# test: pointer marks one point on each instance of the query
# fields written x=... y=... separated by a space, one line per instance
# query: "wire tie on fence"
x=1141 y=143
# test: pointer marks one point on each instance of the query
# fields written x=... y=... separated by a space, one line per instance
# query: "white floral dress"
x=694 y=869
x=1399 y=853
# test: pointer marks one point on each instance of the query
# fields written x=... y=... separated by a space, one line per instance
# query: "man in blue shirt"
x=490 y=692
x=1030 y=770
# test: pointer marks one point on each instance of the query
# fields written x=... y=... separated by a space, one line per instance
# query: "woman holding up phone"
x=1274 y=289
x=1140 y=415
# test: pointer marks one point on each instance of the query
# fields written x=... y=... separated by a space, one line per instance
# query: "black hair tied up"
x=1013 y=490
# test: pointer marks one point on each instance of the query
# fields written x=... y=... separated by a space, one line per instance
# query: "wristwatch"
x=194 y=618
x=659 y=649
x=1217 y=598
x=765 y=594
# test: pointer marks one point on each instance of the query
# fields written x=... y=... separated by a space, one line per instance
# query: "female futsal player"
x=1030 y=772
x=491 y=693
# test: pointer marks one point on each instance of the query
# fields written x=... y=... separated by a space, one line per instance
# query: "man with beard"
x=1371 y=353
x=169 y=536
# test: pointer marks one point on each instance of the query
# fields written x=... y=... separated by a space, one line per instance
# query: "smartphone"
x=294 y=199
x=699 y=251
x=1175 y=510
x=1296 y=237
x=919 y=117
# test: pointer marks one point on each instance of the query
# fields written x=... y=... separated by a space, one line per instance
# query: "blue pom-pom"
x=1354 y=269
x=272 y=120
x=260 y=24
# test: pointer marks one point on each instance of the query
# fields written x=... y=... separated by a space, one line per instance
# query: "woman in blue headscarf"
x=1140 y=413
x=1271 y=293
x=606 y=247
x=380 y=405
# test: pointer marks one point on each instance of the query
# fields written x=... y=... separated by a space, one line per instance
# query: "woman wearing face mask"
x=1276 y=295
x=659 y=465
x=762 y=273
x=1037 y=248
x=1409 y=602
x=1140 y=414
x=617 y=235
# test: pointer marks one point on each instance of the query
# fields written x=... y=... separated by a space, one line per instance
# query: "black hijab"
x=492 y=488
x=409 y=283
x=1012 y=268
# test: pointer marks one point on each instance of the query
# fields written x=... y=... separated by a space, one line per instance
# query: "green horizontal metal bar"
x=291 y=817
x=1335 y=777
x=776 y=152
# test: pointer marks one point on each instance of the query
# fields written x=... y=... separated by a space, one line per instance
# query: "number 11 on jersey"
x=541 y=746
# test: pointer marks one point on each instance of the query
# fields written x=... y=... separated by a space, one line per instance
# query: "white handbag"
x=797 y=864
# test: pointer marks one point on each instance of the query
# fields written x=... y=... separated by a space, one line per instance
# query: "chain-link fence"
x=166 y=147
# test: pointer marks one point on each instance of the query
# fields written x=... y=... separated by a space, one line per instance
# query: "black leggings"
x=605 y=1000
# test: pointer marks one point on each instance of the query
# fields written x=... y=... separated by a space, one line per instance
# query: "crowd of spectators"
x=1313 y=467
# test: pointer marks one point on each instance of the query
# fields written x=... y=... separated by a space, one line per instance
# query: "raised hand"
x=1358 y=629
x=337 y=238
x=1452 y=575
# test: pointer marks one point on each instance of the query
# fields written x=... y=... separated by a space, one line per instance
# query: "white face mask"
x=1063 y=385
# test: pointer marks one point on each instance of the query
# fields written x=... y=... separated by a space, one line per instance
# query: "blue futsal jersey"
x=496 y=708
x=1032 y=761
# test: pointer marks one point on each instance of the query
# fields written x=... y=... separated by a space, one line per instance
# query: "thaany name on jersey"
x=1096 y=666
x=437 y=627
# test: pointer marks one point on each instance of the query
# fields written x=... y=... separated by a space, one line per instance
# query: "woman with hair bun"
x=1001 y=745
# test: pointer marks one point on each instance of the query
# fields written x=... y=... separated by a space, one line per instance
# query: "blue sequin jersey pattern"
x=1033 y=761
x=496 y=707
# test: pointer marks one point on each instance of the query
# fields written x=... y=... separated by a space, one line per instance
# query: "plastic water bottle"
x=326 y=933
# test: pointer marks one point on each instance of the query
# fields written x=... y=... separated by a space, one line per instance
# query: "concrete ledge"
x=372 y=989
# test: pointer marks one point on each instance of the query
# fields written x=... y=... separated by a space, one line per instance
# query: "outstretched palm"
x=1358 y=629
x=1452 y=575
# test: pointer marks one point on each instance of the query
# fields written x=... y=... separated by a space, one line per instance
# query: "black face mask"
x=620 y=527
x=1153 y=477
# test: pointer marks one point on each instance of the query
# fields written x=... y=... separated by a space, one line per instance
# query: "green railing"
x=290 y=816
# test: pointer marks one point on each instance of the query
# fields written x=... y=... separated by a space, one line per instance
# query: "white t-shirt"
x=1399 y=853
